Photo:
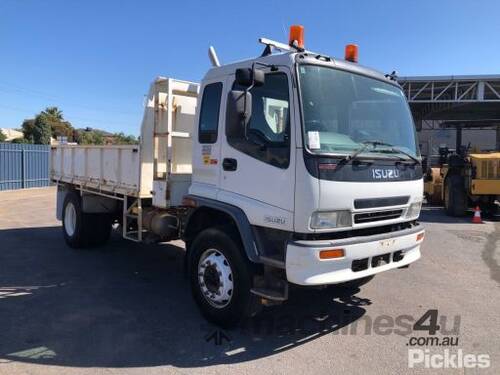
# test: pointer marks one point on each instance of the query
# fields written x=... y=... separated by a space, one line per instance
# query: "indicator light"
x=331 y=254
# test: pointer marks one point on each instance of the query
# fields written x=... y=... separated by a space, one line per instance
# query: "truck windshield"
x=342 y=111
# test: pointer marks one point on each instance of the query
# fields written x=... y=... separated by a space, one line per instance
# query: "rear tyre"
x=455 y=198
x=221 y=277
x=73 y=223
x=83 y=230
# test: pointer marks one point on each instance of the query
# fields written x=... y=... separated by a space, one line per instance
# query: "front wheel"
x=221 y=277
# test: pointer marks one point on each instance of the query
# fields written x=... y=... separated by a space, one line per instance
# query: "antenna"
x=213 y=56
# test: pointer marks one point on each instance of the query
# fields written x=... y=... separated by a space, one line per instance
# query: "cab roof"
x=290 y=58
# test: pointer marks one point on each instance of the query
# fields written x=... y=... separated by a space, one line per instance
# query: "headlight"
x=331 y=219
x=414 y=210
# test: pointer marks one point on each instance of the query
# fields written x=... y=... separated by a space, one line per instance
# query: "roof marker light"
x=351 y=53
x=296 y=38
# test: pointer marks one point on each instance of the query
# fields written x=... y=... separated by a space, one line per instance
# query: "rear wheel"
x=455 y=198
x=81 y=229
x=221 y=277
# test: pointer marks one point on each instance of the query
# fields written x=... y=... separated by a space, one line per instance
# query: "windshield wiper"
x=395 y=149
x=374 y=144
x=363 y=148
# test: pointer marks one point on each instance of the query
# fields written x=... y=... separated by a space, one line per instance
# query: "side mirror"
x=238 y=113
x=247 y=77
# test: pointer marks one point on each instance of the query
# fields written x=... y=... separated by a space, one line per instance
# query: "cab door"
x=207 y=141
x=258 y=168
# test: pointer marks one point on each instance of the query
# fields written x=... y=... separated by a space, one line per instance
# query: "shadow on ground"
x=435 y=214
x=129 y=305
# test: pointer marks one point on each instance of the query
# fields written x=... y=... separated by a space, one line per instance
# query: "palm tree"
x=54 y=113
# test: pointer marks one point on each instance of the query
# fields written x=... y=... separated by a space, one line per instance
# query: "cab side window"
x=209 y=114
x=268 y=133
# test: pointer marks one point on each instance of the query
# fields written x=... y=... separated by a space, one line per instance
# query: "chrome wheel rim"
x=70 y=219
x=215 y=278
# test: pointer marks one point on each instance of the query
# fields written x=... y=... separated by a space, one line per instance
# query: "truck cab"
x=280 y=151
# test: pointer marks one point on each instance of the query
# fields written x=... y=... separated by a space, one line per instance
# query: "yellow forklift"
x=465 y=179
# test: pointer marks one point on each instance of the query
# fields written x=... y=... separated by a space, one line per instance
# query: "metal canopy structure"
x=466 y=99
x=456 y=102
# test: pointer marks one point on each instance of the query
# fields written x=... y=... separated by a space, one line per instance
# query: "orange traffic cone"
x=476 y=219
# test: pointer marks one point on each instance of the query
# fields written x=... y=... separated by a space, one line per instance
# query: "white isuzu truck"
x=290 y=168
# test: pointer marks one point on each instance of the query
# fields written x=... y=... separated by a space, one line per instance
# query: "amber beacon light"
x=296 y=38
x=351 y=53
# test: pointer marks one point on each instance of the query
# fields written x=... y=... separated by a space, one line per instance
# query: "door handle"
x=229 y=164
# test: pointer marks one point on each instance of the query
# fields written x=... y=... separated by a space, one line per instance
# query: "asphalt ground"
x=126 y=308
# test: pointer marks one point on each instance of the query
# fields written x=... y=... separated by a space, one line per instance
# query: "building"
x=455 y=110
x=11 y=134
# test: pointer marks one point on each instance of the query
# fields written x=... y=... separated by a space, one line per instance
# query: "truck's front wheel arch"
x=231 y=218
x=203 y=218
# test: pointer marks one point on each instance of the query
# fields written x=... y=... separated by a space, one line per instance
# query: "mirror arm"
x=245 y=109
x=247 y=90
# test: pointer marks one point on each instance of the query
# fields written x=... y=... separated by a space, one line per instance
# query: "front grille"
x=380 y=202
x=368 y=217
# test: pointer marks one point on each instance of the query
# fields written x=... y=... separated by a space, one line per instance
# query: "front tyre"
x=220 y=277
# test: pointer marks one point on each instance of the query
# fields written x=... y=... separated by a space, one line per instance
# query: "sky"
x=95 y=59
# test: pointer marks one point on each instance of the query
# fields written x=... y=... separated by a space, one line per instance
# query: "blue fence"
x=23 y=166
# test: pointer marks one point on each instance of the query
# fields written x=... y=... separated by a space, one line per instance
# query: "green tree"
x=61 y=129
x=53 y=113
x=35 y=130
x=28 y=128
x=122 y=139
x=2 y=137
x=89 y=137
x=42 y=131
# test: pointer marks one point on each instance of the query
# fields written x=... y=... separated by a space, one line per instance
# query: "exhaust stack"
x=213 y=56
